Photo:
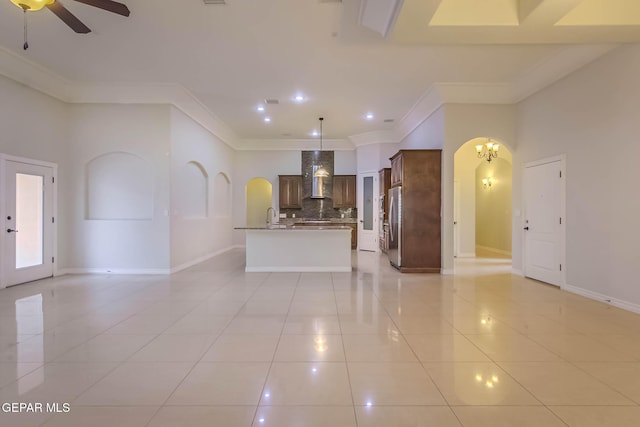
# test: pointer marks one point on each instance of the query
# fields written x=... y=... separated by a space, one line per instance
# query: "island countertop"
x=285 y=227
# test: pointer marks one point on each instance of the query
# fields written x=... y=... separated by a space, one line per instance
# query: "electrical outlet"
x=283 y=215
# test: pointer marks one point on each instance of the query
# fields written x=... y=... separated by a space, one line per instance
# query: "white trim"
x=198 y=260
x=54 y=194
x=447 y=272
x=490 y=249
x=298 y=270
x=466 y=255
x=116 y=271
x=625 y=305
x=562 y=158
x=517 y=272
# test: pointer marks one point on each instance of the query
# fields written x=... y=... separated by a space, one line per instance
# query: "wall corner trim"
x=605 y=299
x=198 y=260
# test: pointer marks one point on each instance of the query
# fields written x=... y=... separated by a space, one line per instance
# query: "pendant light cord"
x=25 y=46
x=321 y=119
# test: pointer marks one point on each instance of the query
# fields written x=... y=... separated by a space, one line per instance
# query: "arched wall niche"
x=193 y=191
x=119 y=187
x=222 y=195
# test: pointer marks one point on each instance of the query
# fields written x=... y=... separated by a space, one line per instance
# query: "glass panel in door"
x=29 y=220
x=367 y=215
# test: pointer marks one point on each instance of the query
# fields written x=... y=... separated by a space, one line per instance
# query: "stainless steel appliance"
x=395 y=226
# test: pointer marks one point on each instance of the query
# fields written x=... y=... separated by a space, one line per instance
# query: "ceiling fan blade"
x=108 y=5
x=68 y=18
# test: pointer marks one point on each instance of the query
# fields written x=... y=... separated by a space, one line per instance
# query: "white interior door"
x=367 y=190
x=28 y=222
x=543 y=222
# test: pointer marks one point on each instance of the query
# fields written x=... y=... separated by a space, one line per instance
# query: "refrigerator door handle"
x=391 y=219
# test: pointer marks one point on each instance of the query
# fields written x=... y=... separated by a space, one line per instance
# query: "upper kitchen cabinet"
x=396 y=170
x=344 y=191
x=290 y=191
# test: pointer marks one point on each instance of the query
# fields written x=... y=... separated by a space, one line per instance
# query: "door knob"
x=11 y=231
x=526 y=228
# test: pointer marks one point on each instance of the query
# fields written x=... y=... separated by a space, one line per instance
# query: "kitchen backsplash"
x=314 y=208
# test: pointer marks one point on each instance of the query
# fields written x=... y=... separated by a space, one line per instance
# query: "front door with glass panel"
x=28 y=222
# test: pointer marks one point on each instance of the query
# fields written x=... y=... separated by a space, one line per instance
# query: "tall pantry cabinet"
x=418 y=174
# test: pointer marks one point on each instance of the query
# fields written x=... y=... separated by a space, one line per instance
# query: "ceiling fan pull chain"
x=26 y=44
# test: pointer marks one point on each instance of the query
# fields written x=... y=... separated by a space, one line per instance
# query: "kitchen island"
x=281 y=248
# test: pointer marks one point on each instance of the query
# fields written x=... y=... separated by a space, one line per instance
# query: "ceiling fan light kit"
x=63 y=13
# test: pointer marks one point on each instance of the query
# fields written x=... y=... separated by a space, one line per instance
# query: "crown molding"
x=543 y=74
x=24 y=71
x=475 y=93
x=375 y=137
x=294 y=144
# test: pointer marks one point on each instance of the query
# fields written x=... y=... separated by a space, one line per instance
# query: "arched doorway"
x=482 y=203
x=259 y=199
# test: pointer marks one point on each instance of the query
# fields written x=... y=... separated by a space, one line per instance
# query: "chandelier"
x=488 y=151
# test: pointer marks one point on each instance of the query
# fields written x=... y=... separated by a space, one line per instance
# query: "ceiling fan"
x=63 y=13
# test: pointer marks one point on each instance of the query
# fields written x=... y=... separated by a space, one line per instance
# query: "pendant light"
x=321 y=172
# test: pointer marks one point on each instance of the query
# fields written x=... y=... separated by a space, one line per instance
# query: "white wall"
x=192 y=237
x=592 y=117
x=429 y=134
x=373 y=157
x=35 y=126
x=141 y=245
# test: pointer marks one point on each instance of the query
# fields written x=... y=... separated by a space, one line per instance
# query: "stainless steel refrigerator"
x=395 y=226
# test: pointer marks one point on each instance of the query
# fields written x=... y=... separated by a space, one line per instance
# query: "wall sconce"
x=487 y=183
x=488 y=151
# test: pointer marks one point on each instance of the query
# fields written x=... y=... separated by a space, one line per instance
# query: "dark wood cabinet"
x=385 y=183
x=344 y=191
x=354 y=234
x=290 y=191
x=419 y=174
x=396 y=170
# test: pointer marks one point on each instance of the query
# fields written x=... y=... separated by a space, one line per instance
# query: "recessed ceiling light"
x=267 y=119
x=369 y=116
x=299 y=98
x=260 y=108
x=315 y=133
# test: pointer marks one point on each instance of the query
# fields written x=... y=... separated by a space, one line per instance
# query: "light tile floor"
x=215 y=346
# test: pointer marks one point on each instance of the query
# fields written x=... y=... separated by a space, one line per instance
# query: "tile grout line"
x=275 y=351
x=229 y=282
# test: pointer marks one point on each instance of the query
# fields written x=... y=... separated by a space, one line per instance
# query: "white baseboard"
x=447 y=272
x=116 y=271
x=498 y=251
x=298 y=269
x=466 y=255
x=142 y=271
x=196 y=261
x=625 y=305
x=517 y=272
